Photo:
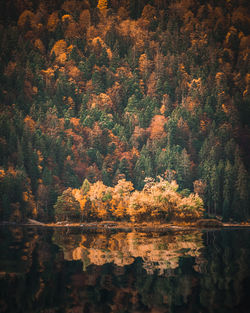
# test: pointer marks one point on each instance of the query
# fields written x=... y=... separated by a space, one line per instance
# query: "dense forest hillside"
x=118 y=91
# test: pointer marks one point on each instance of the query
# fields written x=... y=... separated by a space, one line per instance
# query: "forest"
x=134 y=110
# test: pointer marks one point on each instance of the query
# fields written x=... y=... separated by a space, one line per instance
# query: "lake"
x=69 y=270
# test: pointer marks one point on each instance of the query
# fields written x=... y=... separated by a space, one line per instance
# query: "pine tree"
x=85 y=187
x=227 y=191
x=67 y=207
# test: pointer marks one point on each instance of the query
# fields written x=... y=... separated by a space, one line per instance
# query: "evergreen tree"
x=228 y=191
x=67 y=207
x=143 y=168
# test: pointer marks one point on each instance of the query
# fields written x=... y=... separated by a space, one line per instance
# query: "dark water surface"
x=68 y=270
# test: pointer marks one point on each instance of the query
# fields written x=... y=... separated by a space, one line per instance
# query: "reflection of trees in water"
x=158 y=252
x=227 y=273
x=44 y=281
x=31 y=270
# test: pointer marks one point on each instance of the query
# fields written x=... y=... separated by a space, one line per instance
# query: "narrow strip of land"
x=139 y=227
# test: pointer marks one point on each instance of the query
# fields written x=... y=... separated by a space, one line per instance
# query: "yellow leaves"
x=97 y=191
x=161 y=199
x=158 y=200
x=77 y=194
x=190 y=207
x=123 y=187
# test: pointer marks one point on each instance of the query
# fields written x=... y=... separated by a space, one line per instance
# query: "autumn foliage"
x=123 y=90
x=158 y=201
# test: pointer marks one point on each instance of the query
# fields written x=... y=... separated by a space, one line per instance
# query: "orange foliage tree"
x=156 y=128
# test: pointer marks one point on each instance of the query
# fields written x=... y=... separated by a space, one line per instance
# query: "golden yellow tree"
x=120 y=198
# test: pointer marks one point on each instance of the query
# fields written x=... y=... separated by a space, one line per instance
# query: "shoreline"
x=106 y=226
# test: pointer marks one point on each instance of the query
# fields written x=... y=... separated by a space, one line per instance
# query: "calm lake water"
x=69 y=270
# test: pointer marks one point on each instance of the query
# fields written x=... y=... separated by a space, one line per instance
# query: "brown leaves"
x=156 y=128
x=38 y=44
x=53 y=21
x=26 y=17
x=84 y=20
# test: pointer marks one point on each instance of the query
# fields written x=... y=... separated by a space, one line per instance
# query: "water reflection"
x=159 y=252
x=69 y=271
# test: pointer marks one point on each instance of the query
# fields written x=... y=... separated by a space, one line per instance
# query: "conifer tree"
x=227 y=191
